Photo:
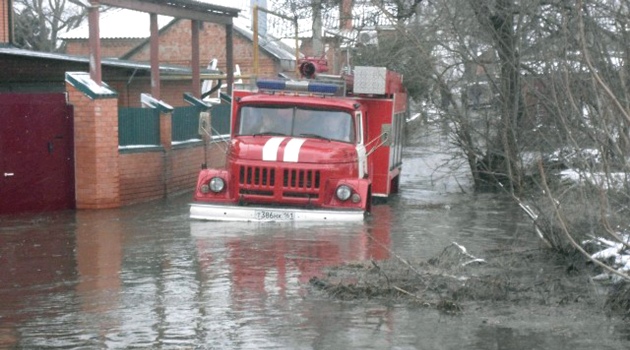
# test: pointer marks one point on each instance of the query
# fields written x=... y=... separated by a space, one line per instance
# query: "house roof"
x=111 y=62
x=111 y=28
x=271 y=45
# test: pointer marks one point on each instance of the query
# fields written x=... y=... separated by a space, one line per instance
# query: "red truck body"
x=317 y=149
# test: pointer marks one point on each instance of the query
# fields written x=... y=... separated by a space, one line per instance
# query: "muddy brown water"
x=147 y=277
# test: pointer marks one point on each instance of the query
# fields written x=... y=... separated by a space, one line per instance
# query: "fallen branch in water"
x=473 y=259
x=394 y=255
x=406 y=292
x=566 y=232
x=532 y=215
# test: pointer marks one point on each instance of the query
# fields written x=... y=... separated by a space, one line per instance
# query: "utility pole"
x=318 y=46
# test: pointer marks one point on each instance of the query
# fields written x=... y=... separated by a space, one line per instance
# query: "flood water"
x=147 y=277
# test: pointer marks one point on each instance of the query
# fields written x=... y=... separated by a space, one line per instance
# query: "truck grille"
x=294 y=182
x=303 y=179
x=257 y=176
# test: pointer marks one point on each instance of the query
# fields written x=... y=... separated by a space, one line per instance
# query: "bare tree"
x=39 y=22
x=544 y=81
x=535 y=94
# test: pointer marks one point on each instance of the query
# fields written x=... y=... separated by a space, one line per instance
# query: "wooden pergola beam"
x=155 y=61
x=179 y=9
x=95 y=43
x=186 y=9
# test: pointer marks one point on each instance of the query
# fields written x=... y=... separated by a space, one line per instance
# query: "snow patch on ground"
x=613 y=253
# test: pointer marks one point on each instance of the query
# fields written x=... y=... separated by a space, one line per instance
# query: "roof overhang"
x=180 y=9
x=176 y=71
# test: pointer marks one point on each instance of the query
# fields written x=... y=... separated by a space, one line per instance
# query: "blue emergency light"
x=291 y=85
x=323 y=88
x=265 y=84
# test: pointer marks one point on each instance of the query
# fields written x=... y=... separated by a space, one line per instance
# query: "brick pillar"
x=166 y=138
x=6 y=14
x=95 y=150
x=166 y=127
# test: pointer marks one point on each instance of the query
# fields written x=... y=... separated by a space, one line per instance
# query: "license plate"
x=274 y=215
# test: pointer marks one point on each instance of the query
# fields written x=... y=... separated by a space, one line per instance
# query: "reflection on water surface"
x=148 y=277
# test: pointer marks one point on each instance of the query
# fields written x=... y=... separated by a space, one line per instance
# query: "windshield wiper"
x=269 y=133
x=315 y=136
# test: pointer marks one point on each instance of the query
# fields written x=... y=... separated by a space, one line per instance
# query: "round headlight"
x=356 y=198
x=204 y=189
x=217 y=184
x=344 y=192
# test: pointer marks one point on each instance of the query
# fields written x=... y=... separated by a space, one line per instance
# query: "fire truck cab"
x=308 y=150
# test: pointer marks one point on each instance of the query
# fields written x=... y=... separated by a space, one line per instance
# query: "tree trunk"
x=501 y=162
x=318 y=46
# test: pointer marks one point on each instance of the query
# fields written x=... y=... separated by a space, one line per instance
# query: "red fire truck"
x=312 y=149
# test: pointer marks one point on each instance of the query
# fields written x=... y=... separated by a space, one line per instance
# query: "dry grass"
x=538 y=277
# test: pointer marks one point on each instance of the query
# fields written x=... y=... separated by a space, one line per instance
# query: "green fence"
x=138 y=127
x=141 y=126
x=185 y=124
x=221 y=119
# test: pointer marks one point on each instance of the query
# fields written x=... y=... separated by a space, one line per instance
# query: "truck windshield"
x=298 y=122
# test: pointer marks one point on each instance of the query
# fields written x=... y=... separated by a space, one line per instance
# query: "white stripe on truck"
x=270 y=149
x=292 y=150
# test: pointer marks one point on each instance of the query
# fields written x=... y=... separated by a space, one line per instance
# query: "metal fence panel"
x=221 y=119
x=185 y=123
x=138 y=127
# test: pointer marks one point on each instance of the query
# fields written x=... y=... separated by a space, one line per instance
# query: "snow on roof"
x=111 y=28
x=119 y=23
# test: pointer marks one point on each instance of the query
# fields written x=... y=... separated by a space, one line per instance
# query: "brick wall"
x=151 y=175
x=109 y=47
x=185 y=166
x=186 y=163
x=216 y=156
x=175 y=48
x=96 y=150
x=5 y=14
x=171 y=91
x=141 y=177
x=108 y=178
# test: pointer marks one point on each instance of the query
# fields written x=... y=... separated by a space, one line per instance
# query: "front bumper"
x=264 y=214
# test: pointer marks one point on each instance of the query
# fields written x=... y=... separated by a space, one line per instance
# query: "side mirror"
x=205 y=123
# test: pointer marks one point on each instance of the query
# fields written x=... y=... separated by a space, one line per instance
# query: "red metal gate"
x=36 y=153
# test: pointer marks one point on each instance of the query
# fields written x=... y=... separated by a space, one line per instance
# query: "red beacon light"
x=310 y=66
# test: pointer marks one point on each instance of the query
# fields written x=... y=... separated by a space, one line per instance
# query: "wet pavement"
x=148 y=277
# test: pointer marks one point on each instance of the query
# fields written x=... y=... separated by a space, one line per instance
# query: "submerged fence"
x=140 y=127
